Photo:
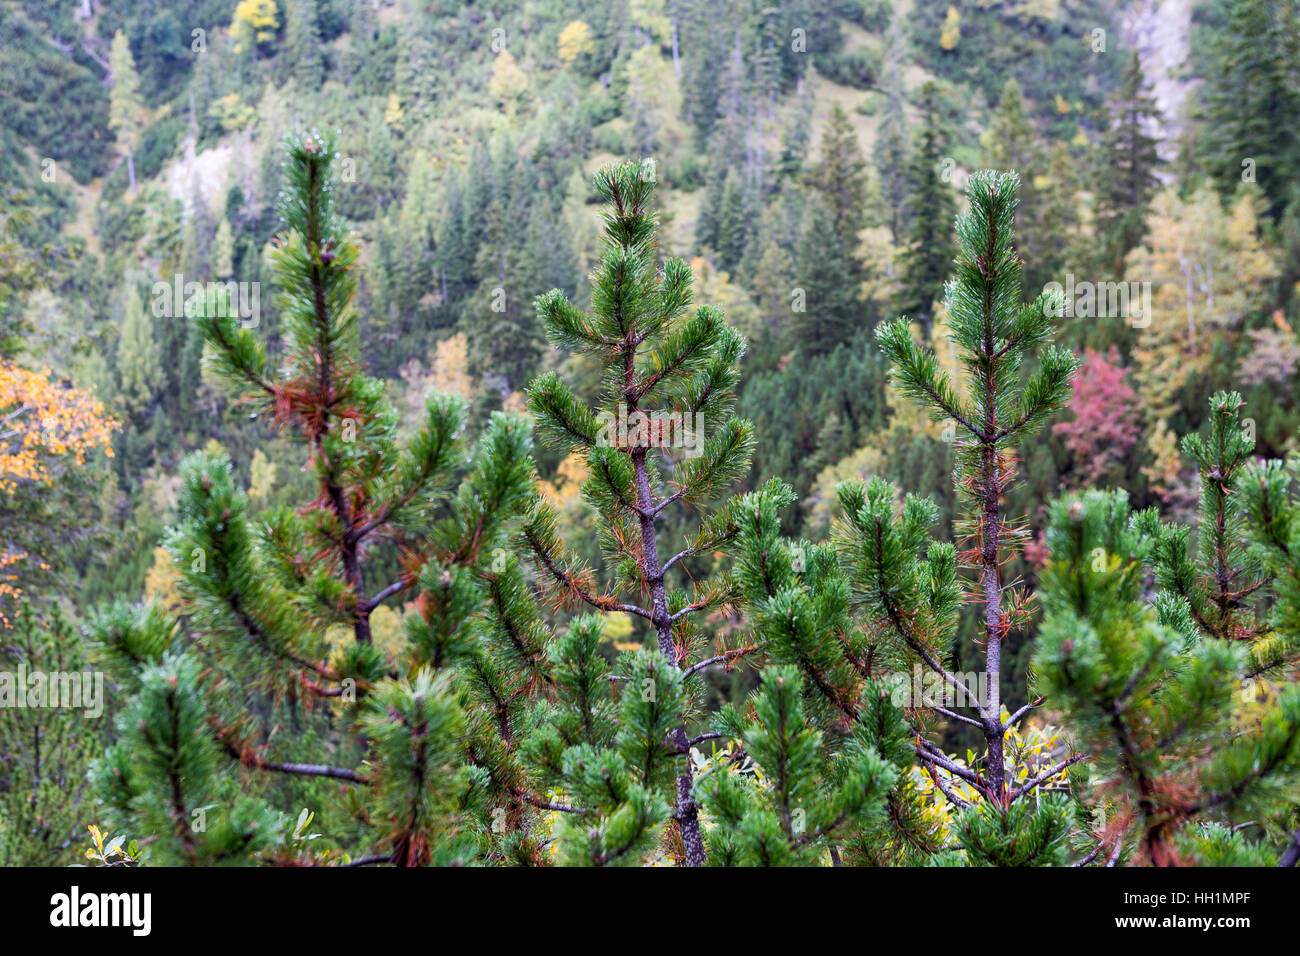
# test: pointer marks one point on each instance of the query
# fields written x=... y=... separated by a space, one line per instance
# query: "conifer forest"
x=649 y=433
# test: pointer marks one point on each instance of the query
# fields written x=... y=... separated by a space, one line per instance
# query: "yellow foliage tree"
x=45 y=426
x=162 y=582
x=394 y=115
x=951 y=31
x=508 y=82
x=1208 y=269
x=255 y=23
x=448 y=373
x=261 y=477
x=46 y=430
x=575 y=40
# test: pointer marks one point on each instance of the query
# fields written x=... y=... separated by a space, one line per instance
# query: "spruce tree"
x=840 y=179
x=931 y=208
x=1249 y=100
x=829 y=311
x=1127 y=164
x=1012 y=144
x=125 y=104
x=303 y=45
x=661 y=436
x=139 y=367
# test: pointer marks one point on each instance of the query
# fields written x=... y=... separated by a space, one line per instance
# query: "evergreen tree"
x=46 y=750
x=840 y=180
x=831 y=313
x=303 y=45
x=734 y=219
x=662 y=436
x=505 y=338
x=1214 y=586
x=125 y=105
x=1154 y=690
x=1012 y=145
x=1250 y=97
x=1126 y=168
x=417 y=77
x=367 y=488
x=994 y=335
x=139 y=366
x=930 y=208
x=824 y=725
x=416 y=730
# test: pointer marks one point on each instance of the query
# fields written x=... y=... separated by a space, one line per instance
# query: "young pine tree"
x=856 y=776
x=411 y=730
x=823 y=727
x=662 y=436
x=1190 y=768
x=996 y=336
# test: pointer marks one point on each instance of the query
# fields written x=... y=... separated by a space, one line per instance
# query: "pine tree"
x=1154 y=690
x=930 y=209
x=415 y=735
x=994 y=335
x=1126 y=167
x=824 y=725
x=662 y=436
x=1216 y=585
x=125 y=105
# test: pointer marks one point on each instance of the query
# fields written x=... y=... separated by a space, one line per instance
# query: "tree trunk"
x=990 y=534
x=688 y=814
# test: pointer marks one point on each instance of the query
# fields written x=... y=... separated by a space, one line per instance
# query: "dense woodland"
x=651 y=432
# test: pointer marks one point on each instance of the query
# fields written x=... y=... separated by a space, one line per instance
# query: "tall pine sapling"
x=662 y=436
x=823 y=725
x=1211 y=593
x=995 y=335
